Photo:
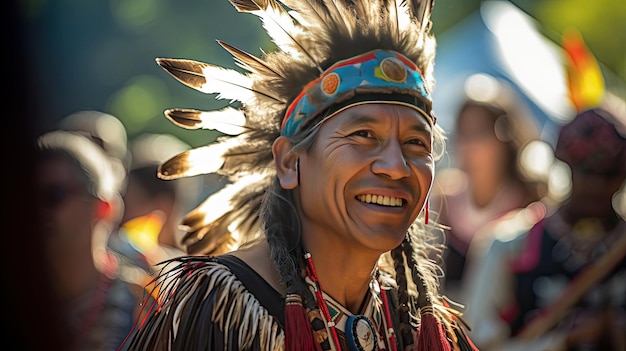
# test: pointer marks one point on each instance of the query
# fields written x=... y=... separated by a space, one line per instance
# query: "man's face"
x=68 y=209
x=367 y=176
x=477 y=148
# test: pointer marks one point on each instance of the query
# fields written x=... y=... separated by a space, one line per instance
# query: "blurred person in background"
x=486 y=179
x=557 y=281
x=153 y=208
x=79 y=201
x=108 y=132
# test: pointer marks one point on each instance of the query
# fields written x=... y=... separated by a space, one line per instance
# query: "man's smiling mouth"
x=380 y=200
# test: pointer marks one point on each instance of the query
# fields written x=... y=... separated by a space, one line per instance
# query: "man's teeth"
x=381 y=200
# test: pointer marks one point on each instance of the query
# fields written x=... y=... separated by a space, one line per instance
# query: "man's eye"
x=416 y=142
x=362 y=133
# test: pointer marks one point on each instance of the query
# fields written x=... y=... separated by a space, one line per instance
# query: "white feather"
x=209 y=159
x=228 y=120
x=220 y=202
x=404 y=14
x=227 y=83
x=282 y=29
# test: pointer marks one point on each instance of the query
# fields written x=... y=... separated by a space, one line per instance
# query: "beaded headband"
x=379 y=72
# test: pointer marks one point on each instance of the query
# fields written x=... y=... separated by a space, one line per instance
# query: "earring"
x=298 y=169
x=426 y=212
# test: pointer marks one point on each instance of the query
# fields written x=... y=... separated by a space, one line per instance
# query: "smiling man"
x=330 y=177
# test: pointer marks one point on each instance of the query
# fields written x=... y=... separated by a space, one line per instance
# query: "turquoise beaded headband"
x=380 y=72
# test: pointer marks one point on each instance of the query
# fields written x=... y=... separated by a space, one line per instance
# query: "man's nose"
x=391 y=161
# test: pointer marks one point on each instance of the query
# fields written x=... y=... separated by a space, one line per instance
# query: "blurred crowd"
x=108 y=221
x=536 y=236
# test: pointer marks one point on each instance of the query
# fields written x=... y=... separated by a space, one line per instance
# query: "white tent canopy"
x=502 y=41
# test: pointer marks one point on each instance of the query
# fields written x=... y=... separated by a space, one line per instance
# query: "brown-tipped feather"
x=174 y=168
x=249 y=61
x=249 y=5
x=228 y=120
x=200 y=160
x=188 y=72
x=184 y=118
x=210 y=79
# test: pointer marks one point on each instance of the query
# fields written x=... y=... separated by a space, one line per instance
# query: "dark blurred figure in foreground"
x=487 y=179
x=28 y=314
x=77 y=196
x=558 y=282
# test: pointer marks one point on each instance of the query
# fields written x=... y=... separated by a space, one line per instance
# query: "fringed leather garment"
x=219 y=303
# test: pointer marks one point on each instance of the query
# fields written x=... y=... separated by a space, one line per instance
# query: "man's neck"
x=343 y=275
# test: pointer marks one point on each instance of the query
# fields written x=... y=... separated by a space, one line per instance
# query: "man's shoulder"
x=200 y=295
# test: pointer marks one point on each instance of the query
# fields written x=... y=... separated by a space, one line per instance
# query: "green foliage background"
x=100 y=54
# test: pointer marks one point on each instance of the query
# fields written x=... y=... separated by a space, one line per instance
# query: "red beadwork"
x=388 y=324
x=320 y=299
x=312 y=274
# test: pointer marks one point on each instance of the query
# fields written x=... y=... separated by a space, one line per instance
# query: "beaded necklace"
x=354 y=331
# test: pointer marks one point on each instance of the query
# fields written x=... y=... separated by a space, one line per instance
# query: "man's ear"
x=286 y=162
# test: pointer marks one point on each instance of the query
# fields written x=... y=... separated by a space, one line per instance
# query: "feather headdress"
x=311 y=36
